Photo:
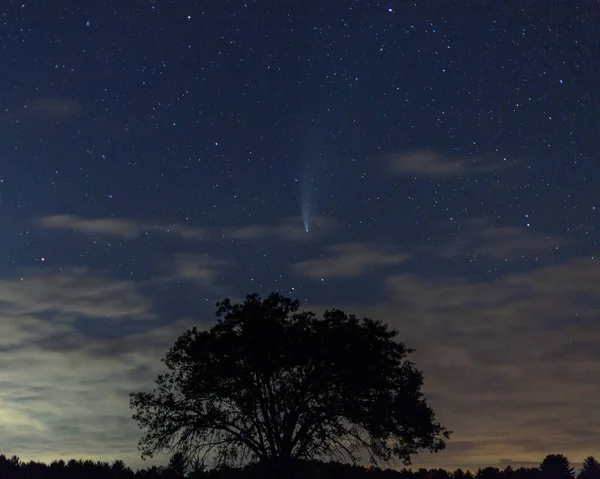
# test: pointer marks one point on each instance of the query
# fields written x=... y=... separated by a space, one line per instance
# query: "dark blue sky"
x=156 y=156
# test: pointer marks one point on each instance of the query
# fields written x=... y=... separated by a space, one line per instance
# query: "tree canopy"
x=590 y=469
x=557 y=466
x=269 y=383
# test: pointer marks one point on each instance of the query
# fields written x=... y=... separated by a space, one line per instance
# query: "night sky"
x=430 y=164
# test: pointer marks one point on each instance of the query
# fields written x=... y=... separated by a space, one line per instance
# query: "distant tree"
x=557 y=466
x=197 y=470
x=9 y=464
x=270 y=383
x=177 y=467
x=590 y=469
x=437 y=474
x=153 y=472
x=458 y=474
x=508 y=473
x=117 y=469
x=488 y=473
x=117 y=466
x=420 y=473
x=528 y=473
x=405 y=473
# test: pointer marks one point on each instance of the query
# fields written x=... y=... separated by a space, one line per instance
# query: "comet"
x=305 y=213
x=308 y=180
x=305 y=200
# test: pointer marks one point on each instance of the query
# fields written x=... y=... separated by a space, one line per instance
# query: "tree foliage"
x=178 y=466
x=271 y=384
x=590 y=469
x=557 y=466
x=488 y=473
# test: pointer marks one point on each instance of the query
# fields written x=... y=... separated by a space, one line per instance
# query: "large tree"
x=557 y=466
x=272 y=384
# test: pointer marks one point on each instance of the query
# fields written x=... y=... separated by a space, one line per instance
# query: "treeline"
x=554 y=466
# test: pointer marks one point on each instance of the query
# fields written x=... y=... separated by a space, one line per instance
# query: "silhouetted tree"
x=528 y=473
x=270 y=383
x=488 y=473
x=420 y=473
x=117 y=469
x=177 y=467
x=7 y=465
x=509 y=473
x=14 y=468
x=196 y=470
x=437 y=474
x=458 y=474
x=557 y=466
x=590 y=469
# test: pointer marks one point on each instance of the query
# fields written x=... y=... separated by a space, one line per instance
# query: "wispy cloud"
x=53 y=108
x=286 y=229
x=198 y=268
x=47 y=109
x=349 y=260
x=493 y=350
x=76 y=392
x=70 y=293
x=479 y=236
x=508 y=364
x=124 y=228
x=61 y=382
x=289 y=228
x=430 y=163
